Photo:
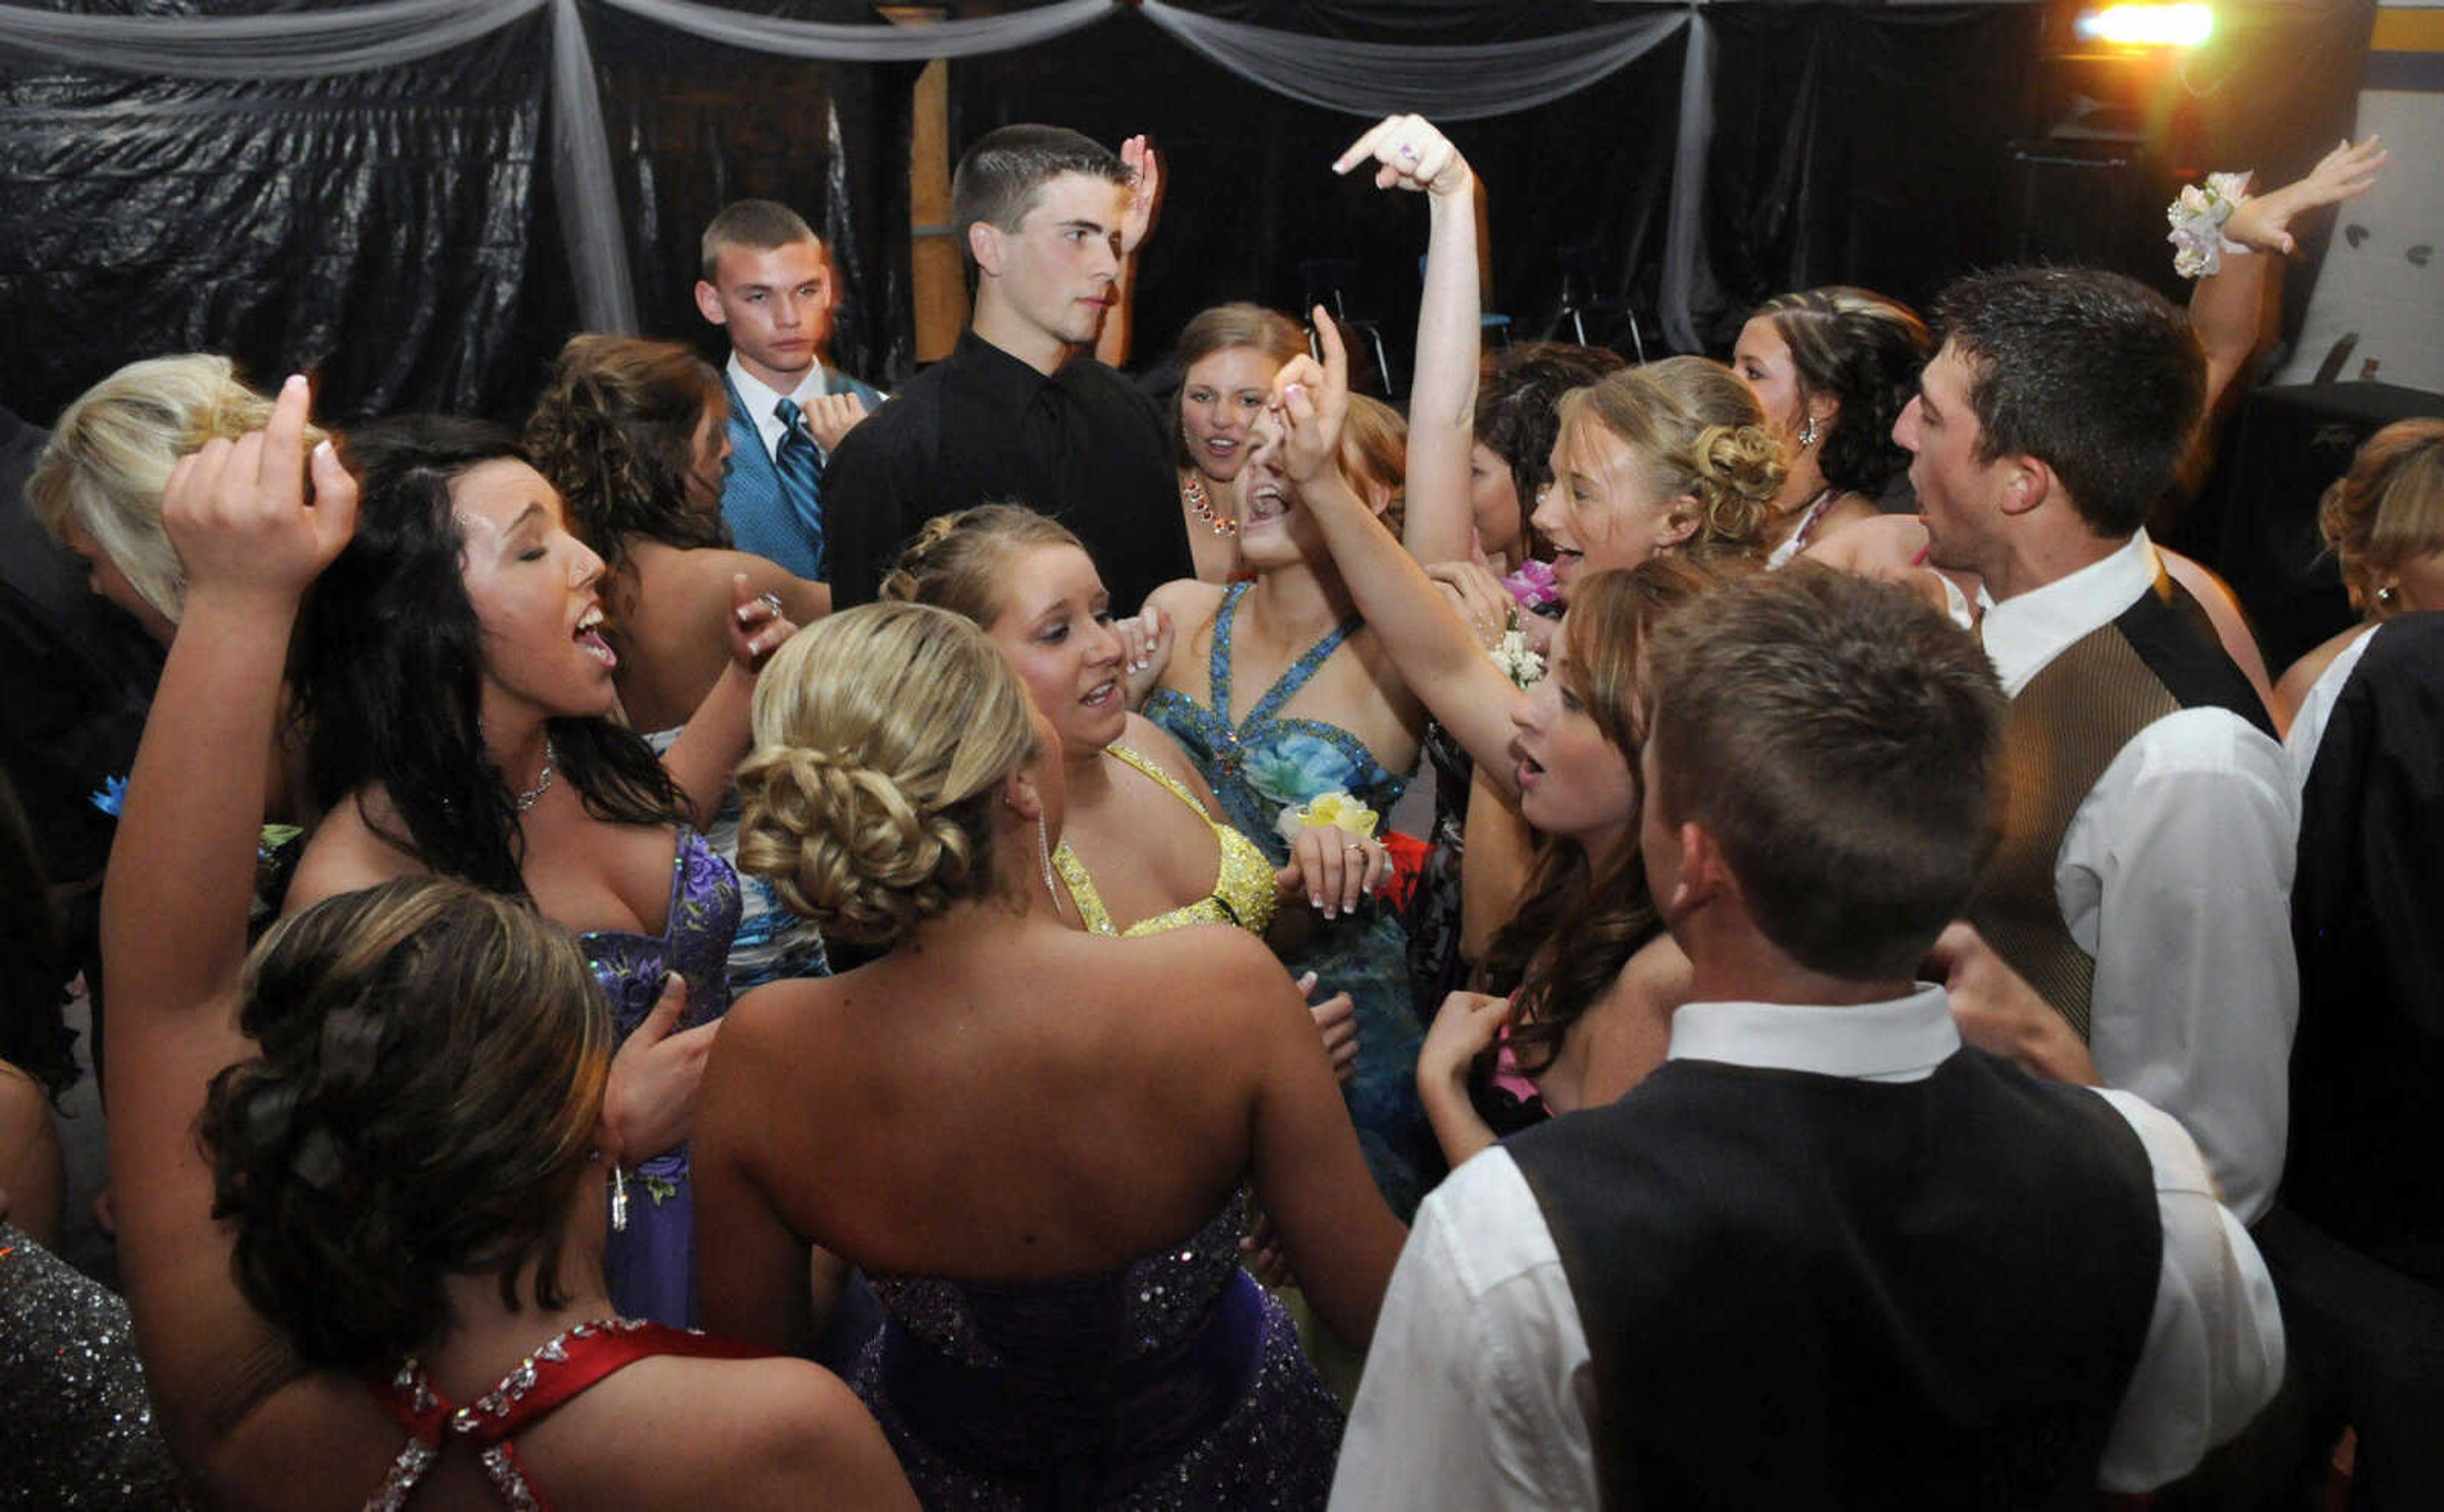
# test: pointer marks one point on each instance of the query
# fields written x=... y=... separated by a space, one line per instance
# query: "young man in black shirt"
x=1020 y=409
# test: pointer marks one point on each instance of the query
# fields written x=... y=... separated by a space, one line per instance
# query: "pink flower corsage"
x=1533 y=585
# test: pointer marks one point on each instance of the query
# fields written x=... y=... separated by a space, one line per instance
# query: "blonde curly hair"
x=1697 y=431
x=109 y=458
x=882 y=734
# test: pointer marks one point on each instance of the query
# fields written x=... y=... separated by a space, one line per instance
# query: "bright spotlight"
x=2142 y=26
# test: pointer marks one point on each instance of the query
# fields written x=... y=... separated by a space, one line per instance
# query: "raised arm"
x=1118 y=334
x=2230 y=307
x=1410 y=153
x=1428 y=642
x=183 y=870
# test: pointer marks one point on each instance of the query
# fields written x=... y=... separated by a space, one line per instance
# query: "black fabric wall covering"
x=390 y=230
x=398 y=233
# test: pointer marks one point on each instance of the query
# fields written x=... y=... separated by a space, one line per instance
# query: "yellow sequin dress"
x=1243 y=888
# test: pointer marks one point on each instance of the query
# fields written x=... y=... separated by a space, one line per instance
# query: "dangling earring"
x=1043 y=858
x=1806 y=432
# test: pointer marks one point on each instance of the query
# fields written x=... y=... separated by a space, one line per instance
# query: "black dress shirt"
x=981 y=427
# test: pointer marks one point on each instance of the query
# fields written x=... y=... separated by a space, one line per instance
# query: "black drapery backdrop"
x=1251 y=192
x=385 y=230
x=398 y=231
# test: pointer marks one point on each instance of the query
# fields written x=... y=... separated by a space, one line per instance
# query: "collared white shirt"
x=2308 y=725
x=2176 y=875
x=761 y=399
x=1480 y=1391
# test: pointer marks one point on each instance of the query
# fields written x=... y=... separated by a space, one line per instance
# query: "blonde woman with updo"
x=1036 y=1141
x=1141 y=851
x=98 y=488
x=1227 y=355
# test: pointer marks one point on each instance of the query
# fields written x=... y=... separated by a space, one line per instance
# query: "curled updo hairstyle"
x=109 y=459
x=1697 y=431
x=882 y=734
x=1518 y=410
x=388 y=667
x=1862 y=351
x=431 y=1066
x=2387 y=508
x=1220 y=329
x=959 y=560
x=1606 y=915
x=615 y=432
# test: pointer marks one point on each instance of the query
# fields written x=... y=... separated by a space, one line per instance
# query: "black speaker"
x=2098 y=203
x=2290 y=445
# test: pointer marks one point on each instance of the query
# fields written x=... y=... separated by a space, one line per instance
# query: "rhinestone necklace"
x=1191 y=494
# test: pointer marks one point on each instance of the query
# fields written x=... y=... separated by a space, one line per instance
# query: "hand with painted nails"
x=758 y=625
x=1305 y=411
x=1410 y=153
x=256 y=516
x=1145 y=649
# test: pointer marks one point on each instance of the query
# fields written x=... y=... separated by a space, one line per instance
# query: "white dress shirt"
x=1480 y=1391
x=2176 y=875
x=761 y=399
x=2308 y=725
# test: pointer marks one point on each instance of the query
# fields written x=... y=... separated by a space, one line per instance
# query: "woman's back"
x=670 y=613
x=1037 y=1145
x=1059 y=1105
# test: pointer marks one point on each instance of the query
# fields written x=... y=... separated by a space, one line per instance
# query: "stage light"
x=2141 y=26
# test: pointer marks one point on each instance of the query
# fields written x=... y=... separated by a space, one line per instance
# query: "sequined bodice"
x=695 y=943
x=1265 y=762
x=1084 y=1324
x=1243 y=887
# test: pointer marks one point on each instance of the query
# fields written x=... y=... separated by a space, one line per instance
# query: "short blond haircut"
x=882 y=735
x=1697 y=431
x=109 y=459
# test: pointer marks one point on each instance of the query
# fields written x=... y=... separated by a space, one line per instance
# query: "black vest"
x=1804 y=1291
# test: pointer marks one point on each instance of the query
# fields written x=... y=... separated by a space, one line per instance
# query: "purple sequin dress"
x=1176 y=1382
x=652 y=1261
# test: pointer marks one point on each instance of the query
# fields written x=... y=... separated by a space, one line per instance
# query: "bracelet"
x=2197 y=217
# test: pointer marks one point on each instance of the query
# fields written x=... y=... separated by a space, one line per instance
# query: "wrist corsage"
x=2197 y=219
x=1518 y=662
x=1335 y=809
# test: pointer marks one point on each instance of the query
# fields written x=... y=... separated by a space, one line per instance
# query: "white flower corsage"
x=1518 y=662
x=1329 y=810
x=2197 y=219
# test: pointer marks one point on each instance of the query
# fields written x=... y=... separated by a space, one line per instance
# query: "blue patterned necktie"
x=800 y=462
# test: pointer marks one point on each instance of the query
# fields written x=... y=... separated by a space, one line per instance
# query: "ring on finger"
x=769 y=601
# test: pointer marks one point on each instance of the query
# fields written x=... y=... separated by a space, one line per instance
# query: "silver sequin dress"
x=76 y=1425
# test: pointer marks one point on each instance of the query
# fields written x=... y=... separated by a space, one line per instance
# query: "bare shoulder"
x=1878 y=545
x=774 y=1015
x=2301 y=675
x=1155 y=744
x=346 y=854
x=771 y=1432
x=1188 y=601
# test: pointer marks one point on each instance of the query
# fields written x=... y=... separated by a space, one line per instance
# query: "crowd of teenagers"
x=764 y=945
